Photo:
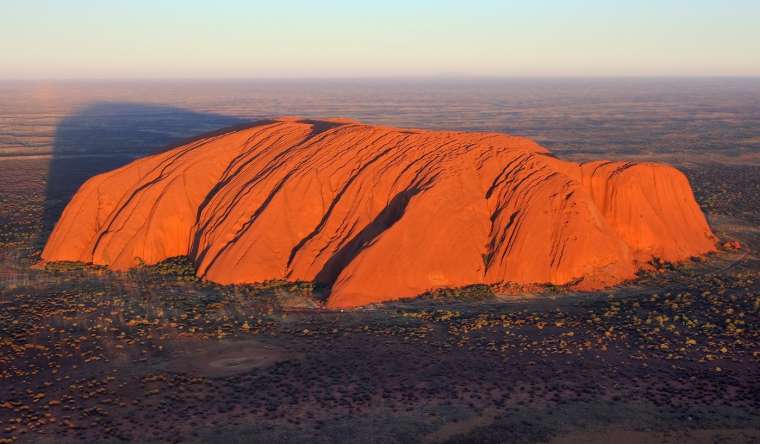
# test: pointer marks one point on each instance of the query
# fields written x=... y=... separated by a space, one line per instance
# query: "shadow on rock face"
x=106 y=135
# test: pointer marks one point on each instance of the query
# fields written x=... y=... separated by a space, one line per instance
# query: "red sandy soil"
x=229 y=359
x=338 y=202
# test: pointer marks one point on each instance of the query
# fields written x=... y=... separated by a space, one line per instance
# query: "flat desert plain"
x=154 y=354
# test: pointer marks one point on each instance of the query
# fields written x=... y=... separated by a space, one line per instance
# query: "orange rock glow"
x=378 y=213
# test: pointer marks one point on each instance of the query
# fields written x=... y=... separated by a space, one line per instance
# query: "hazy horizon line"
x=385 y=77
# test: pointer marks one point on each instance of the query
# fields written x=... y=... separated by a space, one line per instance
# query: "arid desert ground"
x=156 y=355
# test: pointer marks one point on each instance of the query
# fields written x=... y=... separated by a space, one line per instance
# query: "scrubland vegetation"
x=155 y=355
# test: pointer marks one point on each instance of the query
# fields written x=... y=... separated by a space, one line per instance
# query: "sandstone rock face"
x=379 y=213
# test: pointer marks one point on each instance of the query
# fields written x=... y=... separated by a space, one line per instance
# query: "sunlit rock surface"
x=378 y=213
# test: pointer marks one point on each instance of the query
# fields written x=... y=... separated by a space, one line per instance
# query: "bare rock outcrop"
x=378 y=213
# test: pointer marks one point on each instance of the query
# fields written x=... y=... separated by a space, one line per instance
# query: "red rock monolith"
x=378 y=213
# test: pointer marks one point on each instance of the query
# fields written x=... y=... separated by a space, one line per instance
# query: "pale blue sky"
x=278 y=38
